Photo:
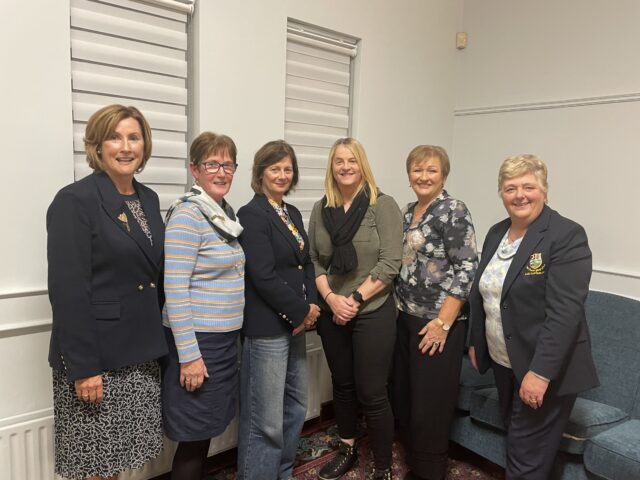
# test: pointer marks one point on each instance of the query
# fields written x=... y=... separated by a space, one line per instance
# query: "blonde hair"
x=103 y=123
x=425 y=152
x=518 y=165
x=334 y=197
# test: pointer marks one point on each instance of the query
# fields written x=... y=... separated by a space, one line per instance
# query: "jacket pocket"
x=365 y=231
x=106 y=310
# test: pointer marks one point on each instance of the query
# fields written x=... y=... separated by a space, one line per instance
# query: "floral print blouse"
x=439 y=257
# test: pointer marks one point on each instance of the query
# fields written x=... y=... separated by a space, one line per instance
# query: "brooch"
x=535 y=265
x=123 y=218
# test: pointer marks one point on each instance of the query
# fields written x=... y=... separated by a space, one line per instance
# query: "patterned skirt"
x=122 y=432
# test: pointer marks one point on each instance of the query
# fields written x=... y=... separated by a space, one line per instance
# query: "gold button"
x=152 y=285
x=299 y=267
x=140 y=287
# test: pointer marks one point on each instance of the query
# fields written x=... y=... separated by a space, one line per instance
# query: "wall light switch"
x=461 y=40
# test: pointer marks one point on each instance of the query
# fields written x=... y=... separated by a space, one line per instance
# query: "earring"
x=98 y=151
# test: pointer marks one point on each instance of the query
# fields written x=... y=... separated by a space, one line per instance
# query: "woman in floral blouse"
x=438 y=266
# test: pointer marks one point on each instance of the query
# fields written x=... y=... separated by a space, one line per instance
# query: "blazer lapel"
x=280 y=225
x=535 y=233
x=116 y=208
x=156 y=225
x=297 y=221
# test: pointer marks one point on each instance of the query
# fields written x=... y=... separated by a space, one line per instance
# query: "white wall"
x=560 y=80
x=37 y=159
x=36 y=137
x=404 y=87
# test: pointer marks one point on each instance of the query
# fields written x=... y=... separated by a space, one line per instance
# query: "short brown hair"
x=424 y=152
x=270 y=154
x=518 y=165
x=208 y=143
x=103 y=123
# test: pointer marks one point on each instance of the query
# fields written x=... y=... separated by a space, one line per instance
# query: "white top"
x=490 y=286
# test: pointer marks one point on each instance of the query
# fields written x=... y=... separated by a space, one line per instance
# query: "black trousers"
x=425 y=390
x=359 y=355
x=533 y=436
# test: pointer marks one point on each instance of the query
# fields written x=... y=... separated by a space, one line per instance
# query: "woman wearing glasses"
x=281 y=303
x=204 y=287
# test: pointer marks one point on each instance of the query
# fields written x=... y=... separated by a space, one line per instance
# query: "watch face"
x=446 y=327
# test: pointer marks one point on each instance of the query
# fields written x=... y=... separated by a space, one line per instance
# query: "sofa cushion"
x=615 y=453
x=485 y=408
x=471 y=380
x=587 y=420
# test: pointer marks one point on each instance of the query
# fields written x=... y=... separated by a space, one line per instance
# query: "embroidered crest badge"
x=535 y=265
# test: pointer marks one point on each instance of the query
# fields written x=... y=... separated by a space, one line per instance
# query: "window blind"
x=319 y=75
x=134 y=53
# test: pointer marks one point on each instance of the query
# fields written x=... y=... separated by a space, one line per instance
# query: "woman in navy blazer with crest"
x=528 y=319
x=280 y=303
x=105 y=253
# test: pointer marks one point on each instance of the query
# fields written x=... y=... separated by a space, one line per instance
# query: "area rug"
x=319 y=444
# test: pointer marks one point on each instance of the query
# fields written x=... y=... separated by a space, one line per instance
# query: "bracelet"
x=327 y=295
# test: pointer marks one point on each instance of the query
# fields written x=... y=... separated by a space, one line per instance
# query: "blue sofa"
x=602 y=439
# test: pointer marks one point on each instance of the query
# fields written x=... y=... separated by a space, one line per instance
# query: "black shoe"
x=344 y=461
x=381 y=474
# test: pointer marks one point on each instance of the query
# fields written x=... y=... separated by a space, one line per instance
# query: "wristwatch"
x=357 y=296
x=445 y=326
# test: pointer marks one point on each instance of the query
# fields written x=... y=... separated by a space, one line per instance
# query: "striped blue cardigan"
x=203 y=280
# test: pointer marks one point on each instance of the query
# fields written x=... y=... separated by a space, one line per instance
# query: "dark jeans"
x=359 y=355
x=425 y=390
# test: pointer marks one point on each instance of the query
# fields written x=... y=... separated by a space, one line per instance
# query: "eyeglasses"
x=214 y=167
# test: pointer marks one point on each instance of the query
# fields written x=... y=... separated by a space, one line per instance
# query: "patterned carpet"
x=319 y=444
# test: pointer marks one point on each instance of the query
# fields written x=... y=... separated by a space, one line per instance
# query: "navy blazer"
x=542 y=304
x=104 y=279
x=277 y=272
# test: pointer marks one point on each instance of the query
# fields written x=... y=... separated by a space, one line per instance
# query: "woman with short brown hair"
x=104 y=246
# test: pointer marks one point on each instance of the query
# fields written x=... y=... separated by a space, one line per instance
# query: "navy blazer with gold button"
x=542 y=304
x=278 y=273
x=104 y=279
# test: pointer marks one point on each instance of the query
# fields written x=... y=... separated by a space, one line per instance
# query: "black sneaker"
x=381 y=474
x=345 y=460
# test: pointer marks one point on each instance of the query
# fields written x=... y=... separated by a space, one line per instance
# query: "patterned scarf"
x=283 y=213
x=221 y=217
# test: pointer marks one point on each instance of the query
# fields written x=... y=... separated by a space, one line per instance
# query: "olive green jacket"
x=378 y=244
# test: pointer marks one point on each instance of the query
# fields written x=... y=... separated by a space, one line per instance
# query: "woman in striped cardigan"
x=204 y=287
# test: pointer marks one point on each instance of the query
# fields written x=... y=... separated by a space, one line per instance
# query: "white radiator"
x=26 y=447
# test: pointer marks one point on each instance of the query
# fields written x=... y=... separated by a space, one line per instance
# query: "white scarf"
x=223 y=221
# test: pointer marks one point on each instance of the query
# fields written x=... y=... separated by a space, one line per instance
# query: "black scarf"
x=342 y=227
